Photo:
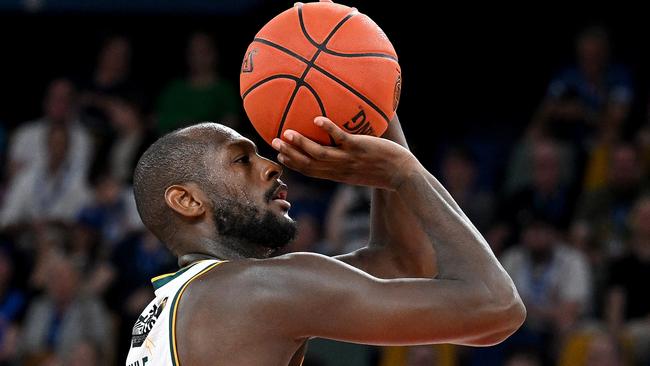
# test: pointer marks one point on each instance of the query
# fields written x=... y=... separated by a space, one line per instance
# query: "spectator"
x=602 y=215
x=63 y=317
x=590 y=98
x=110 y=79
x=132 y=137
x=85 y=353
x=12 y=304
x=308 y=236
x=627 y=308
x=135 y=261
x=27 y=145
x=203 y=95
x=604 y=350
x=459 y=174
x=51 y=191
x=523 y=358
x=553 y=280
x=3 y=148
x=348 y=220
x=421 y=356
x=112 y=212
x=644 y=144
x=547 y=193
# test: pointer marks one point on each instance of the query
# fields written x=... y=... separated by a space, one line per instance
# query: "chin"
x=284 y=217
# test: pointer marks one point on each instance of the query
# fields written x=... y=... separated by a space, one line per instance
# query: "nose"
x=271 y=170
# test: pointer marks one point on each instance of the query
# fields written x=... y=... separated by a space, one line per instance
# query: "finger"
x=312 y=148
x=332 y=129
x=325 y=1
x=290 y=153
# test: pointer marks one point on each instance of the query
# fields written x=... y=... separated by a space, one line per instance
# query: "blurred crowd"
x=569 y=215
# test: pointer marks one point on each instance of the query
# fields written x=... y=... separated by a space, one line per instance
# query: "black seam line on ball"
x=311 y=64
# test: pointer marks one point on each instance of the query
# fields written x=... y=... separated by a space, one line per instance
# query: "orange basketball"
x=320 y=59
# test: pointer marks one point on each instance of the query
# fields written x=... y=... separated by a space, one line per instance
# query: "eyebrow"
x=246 y=144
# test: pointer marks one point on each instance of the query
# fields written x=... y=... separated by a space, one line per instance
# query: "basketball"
x=320 y=59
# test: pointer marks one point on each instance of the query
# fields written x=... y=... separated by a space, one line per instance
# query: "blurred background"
x=536 y=120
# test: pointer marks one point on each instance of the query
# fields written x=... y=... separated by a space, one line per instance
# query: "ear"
x=187 y=200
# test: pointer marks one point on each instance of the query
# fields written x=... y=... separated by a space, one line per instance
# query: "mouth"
x=280 y=196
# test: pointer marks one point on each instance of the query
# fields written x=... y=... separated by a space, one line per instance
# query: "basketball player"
x=426 y=276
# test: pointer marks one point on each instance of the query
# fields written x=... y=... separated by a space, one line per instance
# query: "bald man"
x=426 y=276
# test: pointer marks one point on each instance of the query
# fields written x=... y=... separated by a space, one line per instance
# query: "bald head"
x=177 y=158
x=205 y=189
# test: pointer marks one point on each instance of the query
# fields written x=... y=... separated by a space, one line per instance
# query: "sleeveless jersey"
x=153 y=341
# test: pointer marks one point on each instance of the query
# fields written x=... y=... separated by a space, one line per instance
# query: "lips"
x=280 y=193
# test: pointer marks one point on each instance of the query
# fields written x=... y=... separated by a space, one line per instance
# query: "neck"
x=224 y=249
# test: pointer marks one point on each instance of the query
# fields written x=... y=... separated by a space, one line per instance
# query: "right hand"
x=356 y=159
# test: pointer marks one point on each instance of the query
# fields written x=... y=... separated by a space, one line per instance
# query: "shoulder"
x=247 y=292
x=255 y=272
x=272 y=281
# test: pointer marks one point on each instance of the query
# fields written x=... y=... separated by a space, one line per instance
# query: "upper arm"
x=315 y=296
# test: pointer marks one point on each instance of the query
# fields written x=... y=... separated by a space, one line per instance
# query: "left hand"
x=356 y=159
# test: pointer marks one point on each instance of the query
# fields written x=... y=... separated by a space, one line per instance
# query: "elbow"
x=508 y=315
x=514 y=317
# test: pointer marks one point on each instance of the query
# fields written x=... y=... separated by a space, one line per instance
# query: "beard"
x=249 y=229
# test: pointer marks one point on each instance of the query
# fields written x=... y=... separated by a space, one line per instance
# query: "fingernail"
x=281 y=158
x=276 y=143
x=289 y=135
x=318 y=122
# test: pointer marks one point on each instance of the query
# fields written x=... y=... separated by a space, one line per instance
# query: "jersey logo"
x=145 y=323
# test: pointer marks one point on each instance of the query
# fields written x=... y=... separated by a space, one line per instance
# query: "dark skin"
x=427 y=275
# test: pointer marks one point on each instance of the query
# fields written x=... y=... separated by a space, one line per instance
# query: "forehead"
x=238 y=143
x=228 y=139
x=222 y=138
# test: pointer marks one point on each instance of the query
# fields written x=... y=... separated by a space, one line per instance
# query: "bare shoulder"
x=253 y=301
x=244 y=284
x=245 y=304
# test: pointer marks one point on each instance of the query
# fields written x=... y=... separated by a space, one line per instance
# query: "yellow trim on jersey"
x=175 y=309
x=162 y=276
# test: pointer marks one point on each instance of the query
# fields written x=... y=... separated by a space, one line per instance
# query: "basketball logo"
x=359 y=124
x=397 y=92
x=247 y=64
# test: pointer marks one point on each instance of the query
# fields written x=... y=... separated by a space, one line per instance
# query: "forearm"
x=462 y=252
x=395 y=229
x=397 y=248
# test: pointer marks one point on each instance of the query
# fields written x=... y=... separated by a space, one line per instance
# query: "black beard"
x=250 y=230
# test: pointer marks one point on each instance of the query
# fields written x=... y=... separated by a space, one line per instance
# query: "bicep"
x=329 y=299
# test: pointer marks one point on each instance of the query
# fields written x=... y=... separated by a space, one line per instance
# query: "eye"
x=244 y=159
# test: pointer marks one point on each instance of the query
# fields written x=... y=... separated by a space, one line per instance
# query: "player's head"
x=204 y=189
